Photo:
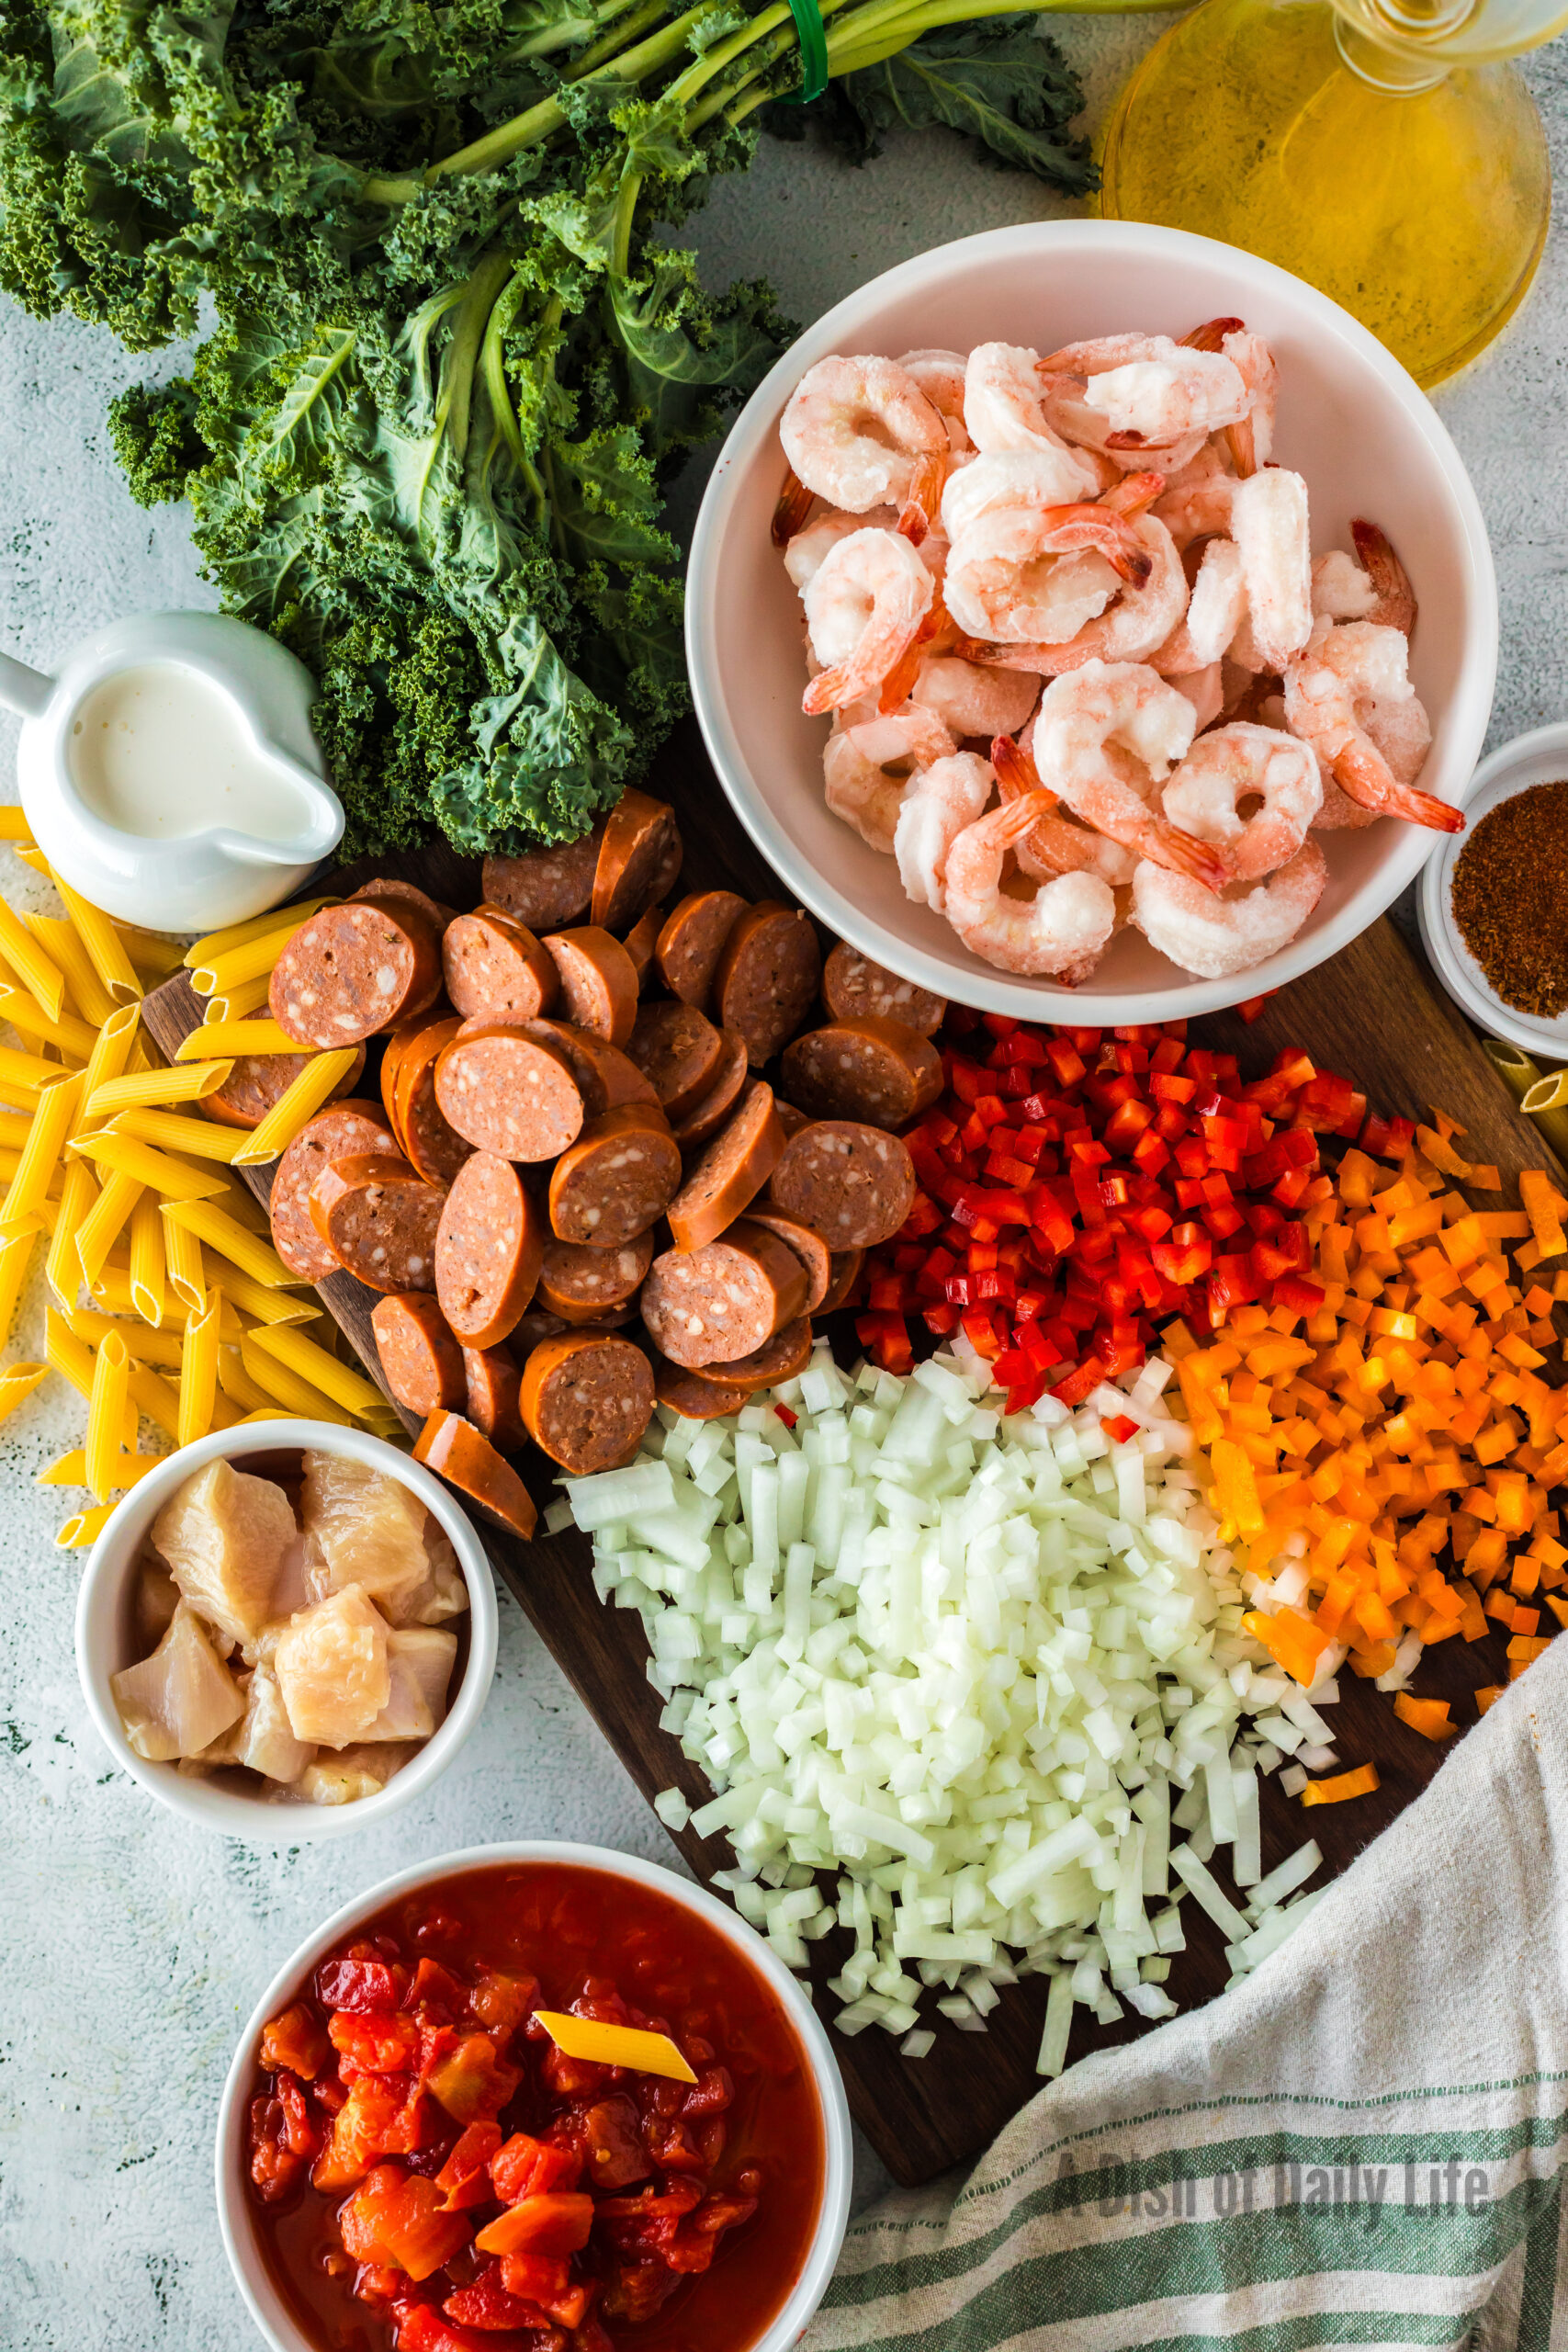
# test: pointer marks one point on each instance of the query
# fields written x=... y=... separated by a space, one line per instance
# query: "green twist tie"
x=813 y=53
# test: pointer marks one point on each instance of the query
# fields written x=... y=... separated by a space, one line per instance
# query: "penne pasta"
x=78 y=1197
x=297 y=1107
x=198 y=1369
x=142 y=1345
x=263 y=1306
x=16 y=1380
x=65 y=1353
x=112 y=1292
x=13 y=825
x=15 y=1126
x=149 y=1290
x=16 y=1257
x=349 y=1389
x=116 y=1042
x=247 y=1251
x=71 y=1469
x=150 y=952
x=270 y=1412
x=38 y=973
x=105 y=1414
x=108 y=1148
x=39 y=1159
x=237 y=1003
x=62 y=943
x=102 y=942
x=30 y=1020
x=246 y=949
x=183 y=1264
x=233 y=1037
x=150 y=1394
x=30 y=854
x=104 y=1222
x=282 y=1386
x=203 y=1139
x=85 y=1527
x=23 y=1074
x=138 y=1087
x=237 y=1385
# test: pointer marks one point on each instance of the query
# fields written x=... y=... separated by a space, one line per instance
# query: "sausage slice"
x=617 y=1179
x=258 y=1082
x=598 y=982
x=639 y=859
x=767 y=977
x=605 y=1076
x=587 y=1400
x=808 y=1247
x=724 y=1300
x=488 y=1250
x=731 y=1171
x=705 y=1118
x=408 y=894
x=465 y=1457
x=845 y=1274
x=780 y=1358
x=583 y=1285
x=679 y=1052
x=494 y=1381
x=870 y=1069
x=342 y=1132
x=509 y=1092
x=853 y=986
x=378 y=1220
x=693 y=940
x=354 y=969
x=496 y=969
x=692 y=1396
x=421 y=1361
x=429 y=1141
x=852 y=1183
x=641 y=941
x=544 y=887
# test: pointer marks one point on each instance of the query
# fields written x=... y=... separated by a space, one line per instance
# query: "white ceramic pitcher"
x=194 y=881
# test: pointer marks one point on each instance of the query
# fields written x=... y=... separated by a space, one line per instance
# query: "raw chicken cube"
x=419 y=1662
x=224 y=1536
x=330 y=1664
x=357 y=1772
x=368 y=1528
x=182 y=1698
x=441 y=1592
x=264 y=1738
x=157 y=1598
x=300 y=1577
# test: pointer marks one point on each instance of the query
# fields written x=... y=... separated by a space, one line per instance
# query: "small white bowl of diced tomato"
x=534 y=2099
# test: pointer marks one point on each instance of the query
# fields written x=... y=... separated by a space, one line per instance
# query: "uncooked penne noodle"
x=246 y=949
x=10 y=1163
x=108 y=1148
x=149 y=951
x=203 y=1139
x=239 y=1003
x=111 y=1291
x=295 y=1109
x=65 y=1353
x=15 y=1126
x=142 y=1344
x=148 y=1289
x=349 y=1389
x=244 y=1208
x=62 y=943
x=23 y=1074
x=16 y=1257
x=16 y=1380
x=139 y=1088
x=238 y=1386
x=71 y=1469
x=105 y=1414
x=247 y=1251
x=30 y=1020
x=102 y=942
x=30 y=854
x=85 y=1527
x=232 y=1037
x=112 y=1053
x=104 y=1222
x=198 y=1369
x=59 y=1101
x=78 y=1197
x=37 y=971
x=150 y=1394
x=13 y=825
x=285 y=1387
x=183 y=1264
x=263 y=1306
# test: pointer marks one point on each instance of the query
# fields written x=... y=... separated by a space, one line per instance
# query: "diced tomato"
x=465 y=2178
x=422 y=2328
x=489 y=2304
x=302 y=2135
x=555 y=2222
x=636 y=2290
x=376 y=2045
x=436 y=1993
x=274 y=2166
x=526 y=2166
x=378 y=2119
x=360 y=1980
x=695 y=2242
x=472 y=2081
x=613 y=2142
x=397 y=2216
x=536 y=2279
x=297 y=2040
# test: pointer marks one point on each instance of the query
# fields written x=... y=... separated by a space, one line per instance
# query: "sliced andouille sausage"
x=881 y=1071
x=641 y=941
x=544 y=887
x=258 y=1082
x=702 y=1121
x=634 y=866
x=379 y=1220
x=410 y=895
x=343 y=1132
x=605 y=1075
x=508 y=1091
x=780 y=1358
x=598 y=982
x=853 y=986
x=852 y=1183
x=845 y=1274
x=465 y=1457
x=617 y=1179
x=488 y=1250
x=354 y=969
x=731 y=1171
x=808 y=1247
x=790 y=1119
x=679 y=1052
x=428 y=1138
x=494 y=1380
x=421 y=1361
x=693 y=1397
x=496 y=969
x=693 y=940
x=581 y=1284
x=721 y=1302
x=587 y=1400
x=537 y=1324
x=767 y=977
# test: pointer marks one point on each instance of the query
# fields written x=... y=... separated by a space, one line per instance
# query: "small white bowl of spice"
x=1493 y=905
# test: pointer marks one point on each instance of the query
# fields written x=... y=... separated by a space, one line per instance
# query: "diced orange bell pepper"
x=1358 y=1782
x=398 y=2217
x=1428 y=1716
x=555 y=2223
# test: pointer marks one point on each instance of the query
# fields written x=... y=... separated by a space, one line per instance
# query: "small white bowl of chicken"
x=287 y=1630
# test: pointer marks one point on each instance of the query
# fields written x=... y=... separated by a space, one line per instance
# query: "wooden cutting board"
x=1373 y=1014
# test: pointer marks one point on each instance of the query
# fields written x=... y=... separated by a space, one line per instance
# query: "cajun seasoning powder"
x=1510 y=899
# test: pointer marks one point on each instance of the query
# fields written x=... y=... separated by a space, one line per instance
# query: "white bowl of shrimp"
x=1090 y=621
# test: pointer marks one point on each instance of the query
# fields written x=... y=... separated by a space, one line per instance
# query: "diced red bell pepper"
x=399 y=2217
x=359 y=1982
x=377 y=2044
x=536 y=2278
x=488 y=2305
x=464 y=2179
x=527 y=2167
x=378 y=2119
x=556 y=2222
x=297 y=2040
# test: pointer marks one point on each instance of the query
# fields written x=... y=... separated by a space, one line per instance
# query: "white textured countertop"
x=131 y=1947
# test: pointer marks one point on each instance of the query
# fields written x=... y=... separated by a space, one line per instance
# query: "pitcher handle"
x=24 y=690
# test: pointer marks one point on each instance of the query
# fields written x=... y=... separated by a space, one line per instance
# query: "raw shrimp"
x=1251 y=438
x=1205 y=689
x=1236 y=765
x=1341 y=590
x=1218 y=937
x=1269 y=523
x=1140 y=620
x=1002 y=397
x=1058 y=845
x=866 y=769
x=794 y=506
x=938 y=804
x=1196 y=501
x=1331 y=693
x=1061 y=931
x=1005 y=478
x=972 y=701
x=804 y=554
x=1216 y=610
x=940 y=375
x=998 y=582
x=863 y=605
x=861 y=433
x=1151 y=391
x=1395 y=606
x=1103 y=738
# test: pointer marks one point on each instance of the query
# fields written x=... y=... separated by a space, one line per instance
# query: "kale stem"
x=626 y=213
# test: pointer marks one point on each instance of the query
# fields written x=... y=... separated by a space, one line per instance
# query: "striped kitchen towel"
x=1361 y=2144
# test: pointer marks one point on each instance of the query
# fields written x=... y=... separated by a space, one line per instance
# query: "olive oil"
x=1422 y=208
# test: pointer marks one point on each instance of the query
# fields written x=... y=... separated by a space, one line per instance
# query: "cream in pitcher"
x=159 y=752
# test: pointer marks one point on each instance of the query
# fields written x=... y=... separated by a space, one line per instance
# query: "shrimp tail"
x=1396 y=607
x=1181 y=853
x=1127 y=441
x=1134 y=494
x=1016 y=772
x=926 y=482
x=794 y=506
x=899 y=683
x=1110 y=534
x=1210 y=335
x=1242 y=443
x=829 y=690
x=986 y=656
x=1421 y=809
